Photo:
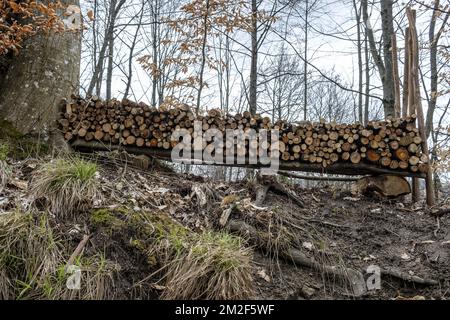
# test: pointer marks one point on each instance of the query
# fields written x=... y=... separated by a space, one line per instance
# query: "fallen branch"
x=409 y=278
x=266 y=183
x=78 y=250
x=350 y=276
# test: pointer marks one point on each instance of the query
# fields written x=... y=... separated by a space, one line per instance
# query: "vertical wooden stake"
x=418 y=104
x=411 y=108
x=406 y=76
x=395 y=76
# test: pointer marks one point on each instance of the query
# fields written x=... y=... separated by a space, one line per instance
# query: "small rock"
x=405 y=256
x=351 y=199
x=262 y=273
x=307 y=291
x=20 y=184
x=308 y=245
x=376 y=210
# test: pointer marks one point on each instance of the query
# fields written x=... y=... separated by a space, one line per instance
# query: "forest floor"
x=333 y=226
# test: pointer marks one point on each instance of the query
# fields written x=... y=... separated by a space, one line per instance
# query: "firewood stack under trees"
x=392 y=144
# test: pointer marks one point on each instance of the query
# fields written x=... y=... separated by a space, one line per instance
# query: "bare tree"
x=383 y=62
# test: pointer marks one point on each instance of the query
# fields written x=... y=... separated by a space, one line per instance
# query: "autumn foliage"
x=20 y=19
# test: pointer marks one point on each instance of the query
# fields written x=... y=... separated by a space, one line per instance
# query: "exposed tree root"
x=409 y=278
x=266 y=184
x=78 y=250
x=353 y=278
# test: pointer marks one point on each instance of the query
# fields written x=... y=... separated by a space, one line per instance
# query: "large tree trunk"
x=45 y=71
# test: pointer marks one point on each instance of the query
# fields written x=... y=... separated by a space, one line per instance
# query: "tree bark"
x=384 y=64
x=305 y=65
x=202 y=65
x=254 y=61
x=45 y=71
x=434 y=39
x=360 y=63
x=387 y=26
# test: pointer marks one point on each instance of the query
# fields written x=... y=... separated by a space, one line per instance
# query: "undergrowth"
x=215 y=266
x=69 y=185
x=207 y=265
x=33 y=262
x=5 y=169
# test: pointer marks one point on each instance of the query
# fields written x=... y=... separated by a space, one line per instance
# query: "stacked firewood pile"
x=392 y=144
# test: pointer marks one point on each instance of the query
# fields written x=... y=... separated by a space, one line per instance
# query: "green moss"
x=106 y=218
x=19 y=145
x=4 y=150
x=7 y=130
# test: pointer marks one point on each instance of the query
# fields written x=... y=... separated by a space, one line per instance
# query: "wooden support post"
x=418 y=104
x=410 y=91
x=396 y=77
x=406 y=76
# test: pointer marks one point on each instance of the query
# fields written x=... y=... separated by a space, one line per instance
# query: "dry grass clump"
x=98 y=277
x=29 y=255
x=5 y=169
x=216 y=266
x=68 y=185
x=209 y=265
x=33 y=262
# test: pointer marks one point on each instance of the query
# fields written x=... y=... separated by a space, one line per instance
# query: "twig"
x=78 y=250
x=438 y=226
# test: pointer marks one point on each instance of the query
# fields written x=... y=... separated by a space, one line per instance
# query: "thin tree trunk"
x=108 y=33
x=434 y=39
x=305 y=65
x=155 y=41
x=202 y=65
x=130 y=57
x=109 y=70
x=254 y=61
x=406 y=76
x=367 y=82
x=384 y=65
x=360 y=64
x=387 y=27
x=395 y=76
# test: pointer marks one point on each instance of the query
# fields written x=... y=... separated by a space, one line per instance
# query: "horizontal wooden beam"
x=336 y=168
x=318 y=178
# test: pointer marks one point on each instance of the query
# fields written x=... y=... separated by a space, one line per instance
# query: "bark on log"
x=380 y=147
x=386 y=185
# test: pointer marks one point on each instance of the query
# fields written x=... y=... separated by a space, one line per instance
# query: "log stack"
x=393 y=144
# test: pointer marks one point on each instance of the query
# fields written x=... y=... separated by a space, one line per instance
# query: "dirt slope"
x=335 y=228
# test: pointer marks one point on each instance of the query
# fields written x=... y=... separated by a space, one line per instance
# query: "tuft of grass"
x=33 y=262
x=216 y=266
x=29 y=254
x=4 y=150
x=209 y=265
x=68 y=185
x=5 y=169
